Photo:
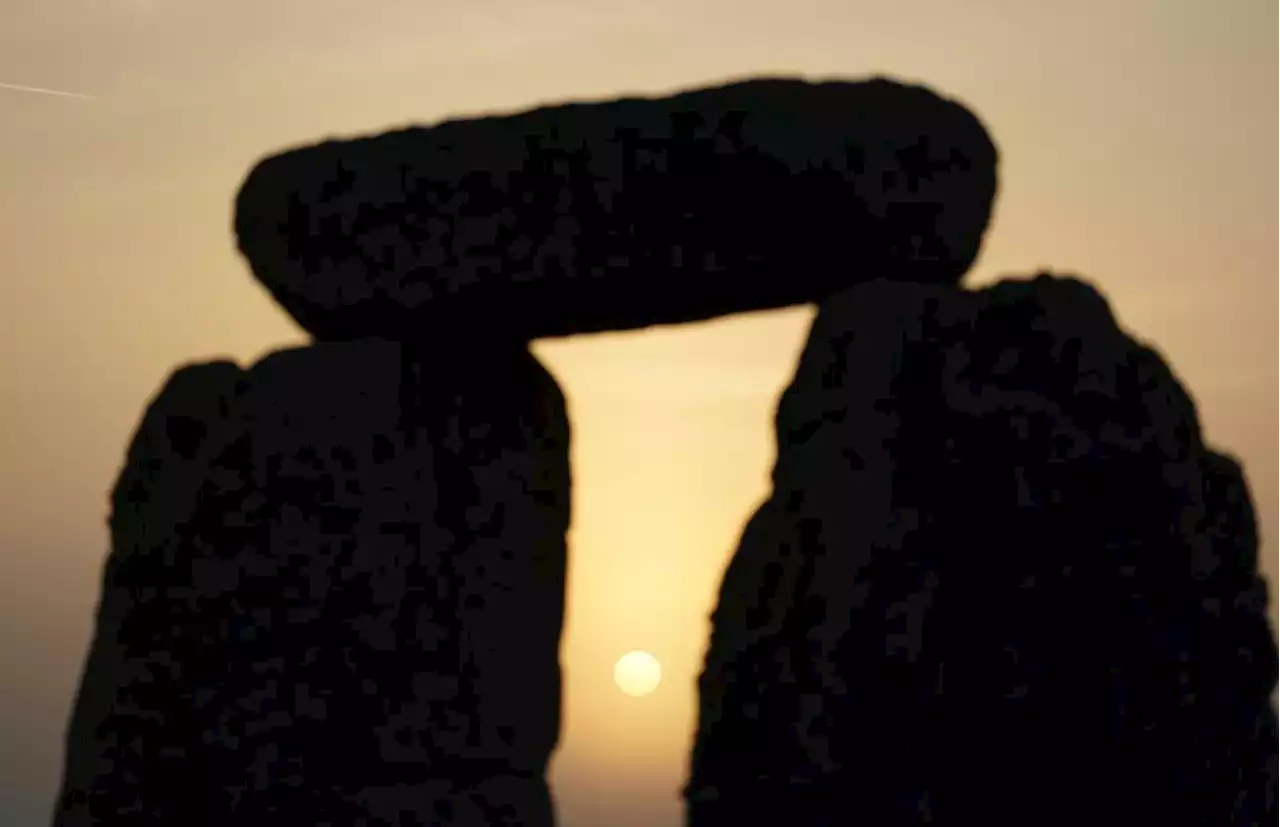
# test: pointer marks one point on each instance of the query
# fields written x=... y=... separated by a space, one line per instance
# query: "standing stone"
x=334 y=597
x=618 y=214
x=1000 y=580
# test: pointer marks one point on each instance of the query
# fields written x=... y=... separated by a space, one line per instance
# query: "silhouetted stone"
x=334 y=597
x=621 y=214
x=1000 y=580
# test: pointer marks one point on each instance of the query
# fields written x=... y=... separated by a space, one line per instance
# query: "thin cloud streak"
x=41 y=91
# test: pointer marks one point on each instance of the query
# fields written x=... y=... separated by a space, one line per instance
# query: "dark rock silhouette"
x=1000 y=580
x=334 y=597
x=621 y=214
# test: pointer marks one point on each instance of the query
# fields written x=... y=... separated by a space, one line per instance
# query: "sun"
x=637 y=673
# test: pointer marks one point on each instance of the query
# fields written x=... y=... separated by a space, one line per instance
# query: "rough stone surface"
x=620 y=214
x=1000 y=580
x=334 y=597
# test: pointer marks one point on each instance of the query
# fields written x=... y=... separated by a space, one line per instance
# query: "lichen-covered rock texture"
x=1000 y=580
x=334 y=597
x=619 y=214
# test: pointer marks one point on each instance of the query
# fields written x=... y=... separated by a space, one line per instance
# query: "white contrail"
x=46 y=91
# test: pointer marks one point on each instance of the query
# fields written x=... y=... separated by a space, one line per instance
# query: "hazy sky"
x=1139 y=149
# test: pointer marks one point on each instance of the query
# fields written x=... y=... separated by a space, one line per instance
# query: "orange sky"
x=1138 y=149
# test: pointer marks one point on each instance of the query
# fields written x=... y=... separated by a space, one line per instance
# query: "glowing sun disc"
x=637 y=673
